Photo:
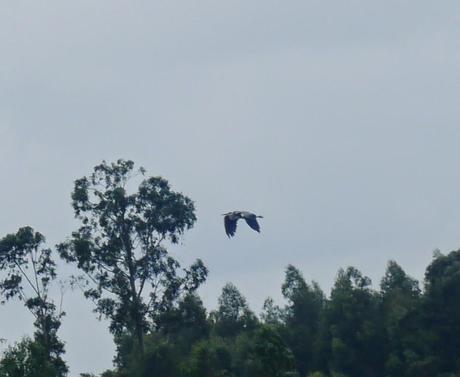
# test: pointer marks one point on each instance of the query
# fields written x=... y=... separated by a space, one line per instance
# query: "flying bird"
x=231 y=218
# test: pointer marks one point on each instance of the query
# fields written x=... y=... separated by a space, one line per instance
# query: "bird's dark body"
x=231 y=218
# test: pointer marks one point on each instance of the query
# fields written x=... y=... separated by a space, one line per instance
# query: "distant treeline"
x=159 y=323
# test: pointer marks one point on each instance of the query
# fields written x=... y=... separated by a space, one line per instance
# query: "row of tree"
x=395 y=331
x=161 y=327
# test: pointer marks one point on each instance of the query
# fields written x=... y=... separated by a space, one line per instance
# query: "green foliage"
x=302 y=319
x=441 y=311
x=28 y=270
x=354 y=324
x=161 y=357
x=109 y=373
x=272 y=314
x=233 y=314
x=269 y=356
x=186 y=324
x=400 y=300
x=211 y=358
x=20 y=252
x=28 y=358
x=395 y=332
x=120 y=246
x=317 y=374
x=162 y=329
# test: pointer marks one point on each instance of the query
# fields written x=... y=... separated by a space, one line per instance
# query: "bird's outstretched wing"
x=252 y=222
x=230 y=226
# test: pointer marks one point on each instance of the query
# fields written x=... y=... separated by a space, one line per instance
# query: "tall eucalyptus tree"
x=120 y=245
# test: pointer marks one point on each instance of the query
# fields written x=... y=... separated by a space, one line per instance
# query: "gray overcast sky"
x=336 y=120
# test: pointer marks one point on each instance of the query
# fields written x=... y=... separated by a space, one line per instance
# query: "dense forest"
x=161 y=328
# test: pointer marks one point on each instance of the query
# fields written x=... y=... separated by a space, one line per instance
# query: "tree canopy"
x=27 y=270
x=120 y=245
x=119 y=251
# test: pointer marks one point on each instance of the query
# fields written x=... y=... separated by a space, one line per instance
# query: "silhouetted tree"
x=272 y=314
x=268 y=355
x=355 y=326
x=441 y=313
x=28 y=271
x=233 y=314
x=211 y=358
x=302 y=318
x=120 y=245
x=28 y=358
x=400 y=295
x=185 y=324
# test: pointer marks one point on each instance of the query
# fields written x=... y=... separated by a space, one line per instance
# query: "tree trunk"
x=136 y=307
x=136 y=312
x=140 y=335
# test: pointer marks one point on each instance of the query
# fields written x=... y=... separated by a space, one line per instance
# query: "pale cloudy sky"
x=336 y=120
